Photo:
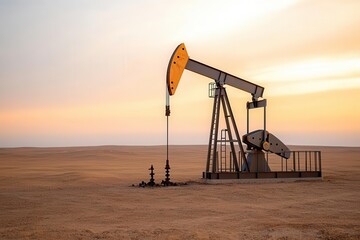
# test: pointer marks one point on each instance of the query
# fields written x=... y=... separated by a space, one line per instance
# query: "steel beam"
x=213 y=73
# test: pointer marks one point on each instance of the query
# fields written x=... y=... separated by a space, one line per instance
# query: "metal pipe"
x=320 y=163
x=167 y=113
x=294 y=167
x=247 y=120
x=264 y=137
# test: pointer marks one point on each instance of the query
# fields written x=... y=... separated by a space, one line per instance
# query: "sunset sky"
x=93 y=72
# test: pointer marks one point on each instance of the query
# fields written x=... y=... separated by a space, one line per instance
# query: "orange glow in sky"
x=75 y=74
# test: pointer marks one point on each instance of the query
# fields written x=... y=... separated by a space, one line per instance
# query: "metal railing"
x=299 y=161
x=307 y=161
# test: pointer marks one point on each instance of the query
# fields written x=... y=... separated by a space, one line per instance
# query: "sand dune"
x=86 y=193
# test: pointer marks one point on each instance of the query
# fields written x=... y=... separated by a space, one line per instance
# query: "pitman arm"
x=180 y=60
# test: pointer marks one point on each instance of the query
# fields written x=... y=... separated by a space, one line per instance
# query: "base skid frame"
x=262 y=175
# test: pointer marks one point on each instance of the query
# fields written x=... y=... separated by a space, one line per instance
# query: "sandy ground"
x=86 y=193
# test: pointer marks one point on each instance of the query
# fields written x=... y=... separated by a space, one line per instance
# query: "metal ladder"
x=212 y=160
x=223 y=166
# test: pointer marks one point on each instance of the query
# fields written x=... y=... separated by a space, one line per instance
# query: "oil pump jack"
x=258 y=142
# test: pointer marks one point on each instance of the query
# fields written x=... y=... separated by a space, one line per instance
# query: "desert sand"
x=86 y=193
